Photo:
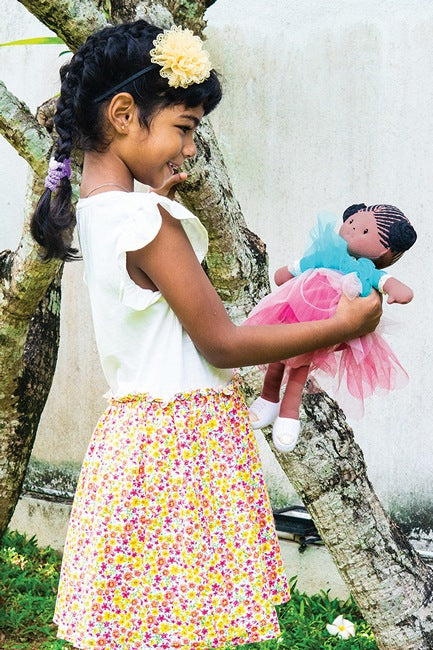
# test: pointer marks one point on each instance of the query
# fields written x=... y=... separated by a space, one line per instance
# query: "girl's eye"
x=365 y=231
x=185 y=129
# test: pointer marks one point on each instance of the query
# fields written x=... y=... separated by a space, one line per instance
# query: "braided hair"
x=395 y=230
x=108 y=57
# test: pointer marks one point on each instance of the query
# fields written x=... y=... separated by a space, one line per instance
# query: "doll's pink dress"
x=359 y=367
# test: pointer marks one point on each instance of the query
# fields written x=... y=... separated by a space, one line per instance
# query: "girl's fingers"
x=361 y=315
x=168 y=188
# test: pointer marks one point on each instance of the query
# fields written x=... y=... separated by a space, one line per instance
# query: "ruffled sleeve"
x=141 y=225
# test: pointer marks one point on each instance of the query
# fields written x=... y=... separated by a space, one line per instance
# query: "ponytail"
x=53 y=221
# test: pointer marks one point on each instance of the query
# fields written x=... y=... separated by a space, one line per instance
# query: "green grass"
x=303 y=624
x=29 y=576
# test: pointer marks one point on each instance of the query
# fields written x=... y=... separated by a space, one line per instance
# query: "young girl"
x=171 y=541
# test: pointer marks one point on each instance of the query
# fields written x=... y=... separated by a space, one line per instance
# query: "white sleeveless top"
x=142 y=345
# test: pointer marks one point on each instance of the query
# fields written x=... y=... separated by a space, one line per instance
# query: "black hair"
x=108 y=57
x=395 y=230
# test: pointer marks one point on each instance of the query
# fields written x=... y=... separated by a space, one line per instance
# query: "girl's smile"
x=149 y=155
x=153 y=155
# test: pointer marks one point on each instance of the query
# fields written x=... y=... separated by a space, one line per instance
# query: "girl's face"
x=153 y=155
x=360 y=232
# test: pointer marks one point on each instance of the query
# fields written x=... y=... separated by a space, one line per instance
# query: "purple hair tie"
x=56 y=171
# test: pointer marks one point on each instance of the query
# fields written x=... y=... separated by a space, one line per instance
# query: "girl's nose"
x=190 y=150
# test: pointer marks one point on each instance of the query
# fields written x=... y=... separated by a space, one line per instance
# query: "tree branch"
x=188 y=13
x=29 y=277
x=22 y=131
x=72 y=20
x=156 y=13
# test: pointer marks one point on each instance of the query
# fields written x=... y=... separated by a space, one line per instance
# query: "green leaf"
x=42 y=40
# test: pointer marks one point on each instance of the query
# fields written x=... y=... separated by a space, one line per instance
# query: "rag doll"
x=350 y=263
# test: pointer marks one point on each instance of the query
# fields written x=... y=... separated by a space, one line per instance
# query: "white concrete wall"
x=327 y=103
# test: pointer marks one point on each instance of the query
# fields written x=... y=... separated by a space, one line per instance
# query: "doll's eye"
x=351 y=221
x=365 y=231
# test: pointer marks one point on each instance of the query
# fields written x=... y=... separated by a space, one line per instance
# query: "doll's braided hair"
x=103 y=62
x=395 y=230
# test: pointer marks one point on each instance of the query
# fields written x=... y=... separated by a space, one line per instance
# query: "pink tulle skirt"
x=359 y=367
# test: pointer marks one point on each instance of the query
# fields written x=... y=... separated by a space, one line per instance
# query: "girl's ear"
x=353 y=209
x=119 y=112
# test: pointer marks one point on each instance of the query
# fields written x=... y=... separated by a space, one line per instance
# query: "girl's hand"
x=359 y=316
x=168 y=188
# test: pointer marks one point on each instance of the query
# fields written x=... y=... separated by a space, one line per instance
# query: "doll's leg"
x=291 y=401
x=287 y=426
x=272 y=383
x=265 y=408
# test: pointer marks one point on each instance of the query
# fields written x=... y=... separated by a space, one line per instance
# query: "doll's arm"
x=282 y=275
x=395 y=290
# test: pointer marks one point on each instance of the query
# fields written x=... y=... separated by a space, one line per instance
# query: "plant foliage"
x=28 y=577
x=42 y=40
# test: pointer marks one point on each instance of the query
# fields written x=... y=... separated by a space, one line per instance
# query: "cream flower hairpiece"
x=181 y=56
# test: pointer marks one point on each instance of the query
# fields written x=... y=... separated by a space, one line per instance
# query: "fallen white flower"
x=341 y=627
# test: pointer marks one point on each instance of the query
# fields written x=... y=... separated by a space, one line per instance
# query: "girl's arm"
x=171 y=265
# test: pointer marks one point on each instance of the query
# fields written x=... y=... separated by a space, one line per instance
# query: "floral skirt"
x=171 y=541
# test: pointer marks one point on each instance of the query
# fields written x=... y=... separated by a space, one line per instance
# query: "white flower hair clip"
x=182 y=58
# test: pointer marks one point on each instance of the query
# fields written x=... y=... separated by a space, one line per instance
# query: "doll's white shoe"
x=262 y=412
x=285 y=433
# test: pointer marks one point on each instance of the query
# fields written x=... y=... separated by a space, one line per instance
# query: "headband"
x=180 y=55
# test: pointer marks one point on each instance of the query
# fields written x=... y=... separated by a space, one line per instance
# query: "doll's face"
x=360 y=232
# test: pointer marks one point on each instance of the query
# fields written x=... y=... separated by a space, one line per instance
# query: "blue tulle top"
x=329 y=250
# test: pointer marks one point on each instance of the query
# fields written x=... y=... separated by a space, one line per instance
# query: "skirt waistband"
x=232 y=387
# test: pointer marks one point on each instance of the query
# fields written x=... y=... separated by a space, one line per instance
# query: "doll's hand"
x=168 y=188
x=358 y=316
x=282 y=275
x=397 y=291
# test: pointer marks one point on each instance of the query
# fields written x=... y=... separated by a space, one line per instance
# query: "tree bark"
x=29 y=337
x=392 y=586
x=22 y=130
x=72 y=20
x=163 y=13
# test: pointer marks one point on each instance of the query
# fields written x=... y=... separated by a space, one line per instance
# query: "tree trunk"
x=29 y=338
x=392 y=586
x=21 y=409
x=390 y=583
